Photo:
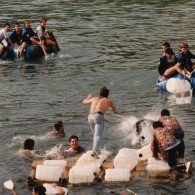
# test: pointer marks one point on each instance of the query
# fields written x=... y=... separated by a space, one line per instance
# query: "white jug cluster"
x=124 y=162
x=127 y=159
x=50 y=170
x=86 y=167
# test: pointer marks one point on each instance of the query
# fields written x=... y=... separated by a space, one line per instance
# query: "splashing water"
x=53 y=151
x=18 y=141
x=128 y=128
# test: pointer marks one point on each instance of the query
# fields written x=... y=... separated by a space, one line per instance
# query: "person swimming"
x=28 y=150
x=58 y=130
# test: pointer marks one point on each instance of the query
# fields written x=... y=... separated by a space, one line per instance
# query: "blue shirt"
x=186 y=60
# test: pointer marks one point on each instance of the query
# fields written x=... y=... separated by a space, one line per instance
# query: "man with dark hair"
x=58 y=131
x=16 y=35
x=28 y=150
x=4 y=38
x=99 y=105
x=74 y=150
x=168 y=139
x=165 y=46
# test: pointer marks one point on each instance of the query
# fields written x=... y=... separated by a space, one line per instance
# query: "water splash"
x=53 y=151
x=18 y=141
x=128 y=128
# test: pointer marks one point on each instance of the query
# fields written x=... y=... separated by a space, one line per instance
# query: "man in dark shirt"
x=27 y=37
x=16 y=36
x=185 y=58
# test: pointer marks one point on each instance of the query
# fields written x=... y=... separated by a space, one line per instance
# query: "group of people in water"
x=171 y=64
x=21 y=37
x=168 y=136
x=167 y=144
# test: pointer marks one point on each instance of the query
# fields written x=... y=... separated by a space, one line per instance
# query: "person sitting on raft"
x=166 y=144
x=28 y=150
x=46 y=37
x=185 y=58
x=168 y=65
x=16 y=35
x=5 y=38
x=28 y=37
x=59 y=130
x=74 y=150
x=164 y=46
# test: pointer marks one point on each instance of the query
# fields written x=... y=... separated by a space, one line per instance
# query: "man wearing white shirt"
x=4 y=38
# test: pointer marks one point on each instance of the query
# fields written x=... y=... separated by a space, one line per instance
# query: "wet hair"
x=183 y=45
x=58 y=125
x=169 y=50
x=157 y=124
x=42 y=19
x=166 y=44
x=40 y=189
x=29 y=144
x=104 y=92
x=165 y=112
x=73 y=137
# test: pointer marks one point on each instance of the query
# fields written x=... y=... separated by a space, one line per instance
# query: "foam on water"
x=127 y=127
x=54 y=150
x=18 y=141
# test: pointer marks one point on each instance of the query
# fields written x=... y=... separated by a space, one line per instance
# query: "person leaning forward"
x=99 y=105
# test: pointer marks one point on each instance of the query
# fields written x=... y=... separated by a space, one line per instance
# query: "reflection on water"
x=103 y=43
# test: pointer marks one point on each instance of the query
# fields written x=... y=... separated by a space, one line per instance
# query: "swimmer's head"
x=29 y=144
x=39 y=190
x=59 y=125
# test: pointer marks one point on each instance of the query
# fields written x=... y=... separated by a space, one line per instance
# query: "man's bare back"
x=99 y=104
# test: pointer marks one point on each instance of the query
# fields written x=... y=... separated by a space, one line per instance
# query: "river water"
x=103 y=43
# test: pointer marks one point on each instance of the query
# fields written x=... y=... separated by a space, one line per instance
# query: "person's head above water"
x=165 y=112
x=104 y=92
x=74 y=142
x=39 y=190
x=59 y=126
x=29 y=144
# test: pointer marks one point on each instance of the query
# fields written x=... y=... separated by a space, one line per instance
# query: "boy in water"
x=28 y=150
x=59 y=130
x=74 y=150
x=99 y=105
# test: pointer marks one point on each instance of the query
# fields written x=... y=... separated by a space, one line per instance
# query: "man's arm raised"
x=88 y=99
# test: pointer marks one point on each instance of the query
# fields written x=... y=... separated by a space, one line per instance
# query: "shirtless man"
x=99 y=105
x=59 y=130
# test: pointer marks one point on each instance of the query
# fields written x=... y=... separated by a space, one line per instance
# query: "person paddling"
x=99 y=105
